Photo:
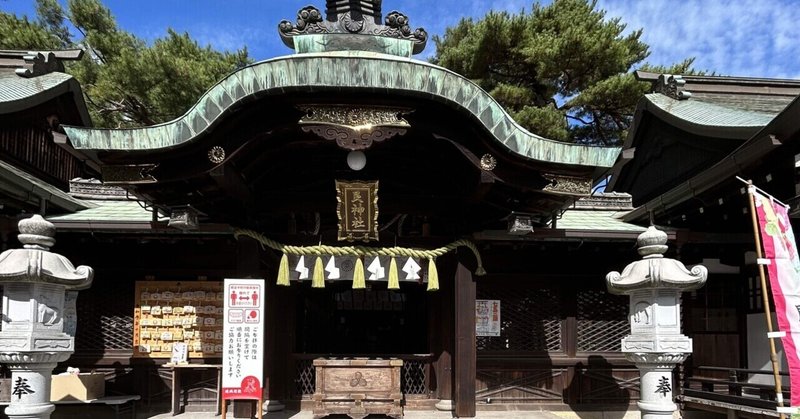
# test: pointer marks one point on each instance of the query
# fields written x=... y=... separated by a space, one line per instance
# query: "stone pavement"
x=417 y=414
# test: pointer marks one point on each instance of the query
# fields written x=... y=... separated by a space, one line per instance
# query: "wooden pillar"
x=277 y=355
x=275 y=335
x=441 y=326
x=247 y=266
x=465 y=352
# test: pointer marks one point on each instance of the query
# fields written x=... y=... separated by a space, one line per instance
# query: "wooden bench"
x=116 y=402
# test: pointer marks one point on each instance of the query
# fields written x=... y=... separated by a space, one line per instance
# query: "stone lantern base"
x=655 y=369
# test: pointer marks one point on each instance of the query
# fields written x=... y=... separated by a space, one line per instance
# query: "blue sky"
x=737 y=38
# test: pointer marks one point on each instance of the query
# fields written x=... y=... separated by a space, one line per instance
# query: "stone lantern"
x=32 y=340
x=656 y=344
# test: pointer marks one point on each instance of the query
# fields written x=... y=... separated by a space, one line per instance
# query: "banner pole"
x=773 y=355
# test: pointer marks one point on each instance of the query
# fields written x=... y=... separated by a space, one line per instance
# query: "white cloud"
x=755 y=39
x=229 y=39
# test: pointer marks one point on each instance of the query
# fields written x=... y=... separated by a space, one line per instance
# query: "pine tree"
x=563 y=71
x=126 y=81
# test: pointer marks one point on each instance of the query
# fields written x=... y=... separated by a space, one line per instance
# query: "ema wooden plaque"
x=171 y=312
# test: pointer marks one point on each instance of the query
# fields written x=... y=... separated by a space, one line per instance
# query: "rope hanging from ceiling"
x=318 y=278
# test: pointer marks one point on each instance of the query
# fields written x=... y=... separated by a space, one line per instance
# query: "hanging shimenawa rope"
x=318 y=278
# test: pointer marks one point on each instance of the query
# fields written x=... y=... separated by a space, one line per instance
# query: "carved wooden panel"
x=358 y=387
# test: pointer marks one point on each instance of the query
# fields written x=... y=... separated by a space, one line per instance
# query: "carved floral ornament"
x=488 y=162
x=310 y=21
x=568 y=185
x=354 y=127
x=216 y=154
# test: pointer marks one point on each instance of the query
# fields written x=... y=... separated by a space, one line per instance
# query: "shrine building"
x=395 y=210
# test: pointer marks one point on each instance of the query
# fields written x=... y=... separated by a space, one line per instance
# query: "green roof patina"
x=699 y=116
x=20 y=93
x=582 y=219
x=110 y=211
x=332 y=71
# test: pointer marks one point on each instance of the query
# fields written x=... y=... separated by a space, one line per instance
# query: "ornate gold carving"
x=354 y=128
x=357 y=210
x=216 y=154
x=488 y=162
x=568 y=185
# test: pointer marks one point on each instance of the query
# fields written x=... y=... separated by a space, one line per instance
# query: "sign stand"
x=243 y=342
x=260 y=403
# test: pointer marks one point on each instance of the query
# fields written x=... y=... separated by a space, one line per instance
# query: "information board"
x=169 y=312
x=487 y=317
x=243 y=346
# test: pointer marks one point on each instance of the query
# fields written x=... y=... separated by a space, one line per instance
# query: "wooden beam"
x=232 y=183
x=465 y=351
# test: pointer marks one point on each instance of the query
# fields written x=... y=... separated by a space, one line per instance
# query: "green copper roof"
x=20 y=93
x=582 y=219
x=323 y=42
x=330 y=72
x=116 y=211
x=701 y=117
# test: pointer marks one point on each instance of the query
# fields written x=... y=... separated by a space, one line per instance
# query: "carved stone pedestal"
x=655 y=400
x=30 y=383
x=32 y=341
x=358 y=387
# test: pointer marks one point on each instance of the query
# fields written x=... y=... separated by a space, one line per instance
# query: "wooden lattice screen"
x=530 y=320
x=105 y=317
x=602 y=321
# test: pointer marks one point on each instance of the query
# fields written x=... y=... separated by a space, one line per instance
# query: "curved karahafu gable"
x=355 y=71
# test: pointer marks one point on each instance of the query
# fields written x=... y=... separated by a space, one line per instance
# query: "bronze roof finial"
x=352 y=25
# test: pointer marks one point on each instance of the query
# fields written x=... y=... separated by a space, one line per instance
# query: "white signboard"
x=487 y=317
x=243 y=339
x=180 y=353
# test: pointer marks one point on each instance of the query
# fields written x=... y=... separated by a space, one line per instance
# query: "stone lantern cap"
x=34 y=263
x=654 y=270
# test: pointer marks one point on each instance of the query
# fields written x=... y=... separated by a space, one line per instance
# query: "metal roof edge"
x=29 y=183
x=345 y=69
x=69 y=85
x=649 y=76
x=735 y=132
x=559 y=234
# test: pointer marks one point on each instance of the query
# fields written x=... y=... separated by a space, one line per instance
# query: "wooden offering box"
x=358 y=387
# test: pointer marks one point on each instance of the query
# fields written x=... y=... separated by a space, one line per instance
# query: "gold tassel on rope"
x=433 y=276
x=318 y=280
x=283 y=271
x=394 y=279
x=358 y=275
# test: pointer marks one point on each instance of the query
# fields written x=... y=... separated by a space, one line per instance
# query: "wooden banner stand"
x=260 y=404
x=765 y=293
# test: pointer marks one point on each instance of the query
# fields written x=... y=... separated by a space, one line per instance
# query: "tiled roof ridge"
x=356 y=70
x=37 y=63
